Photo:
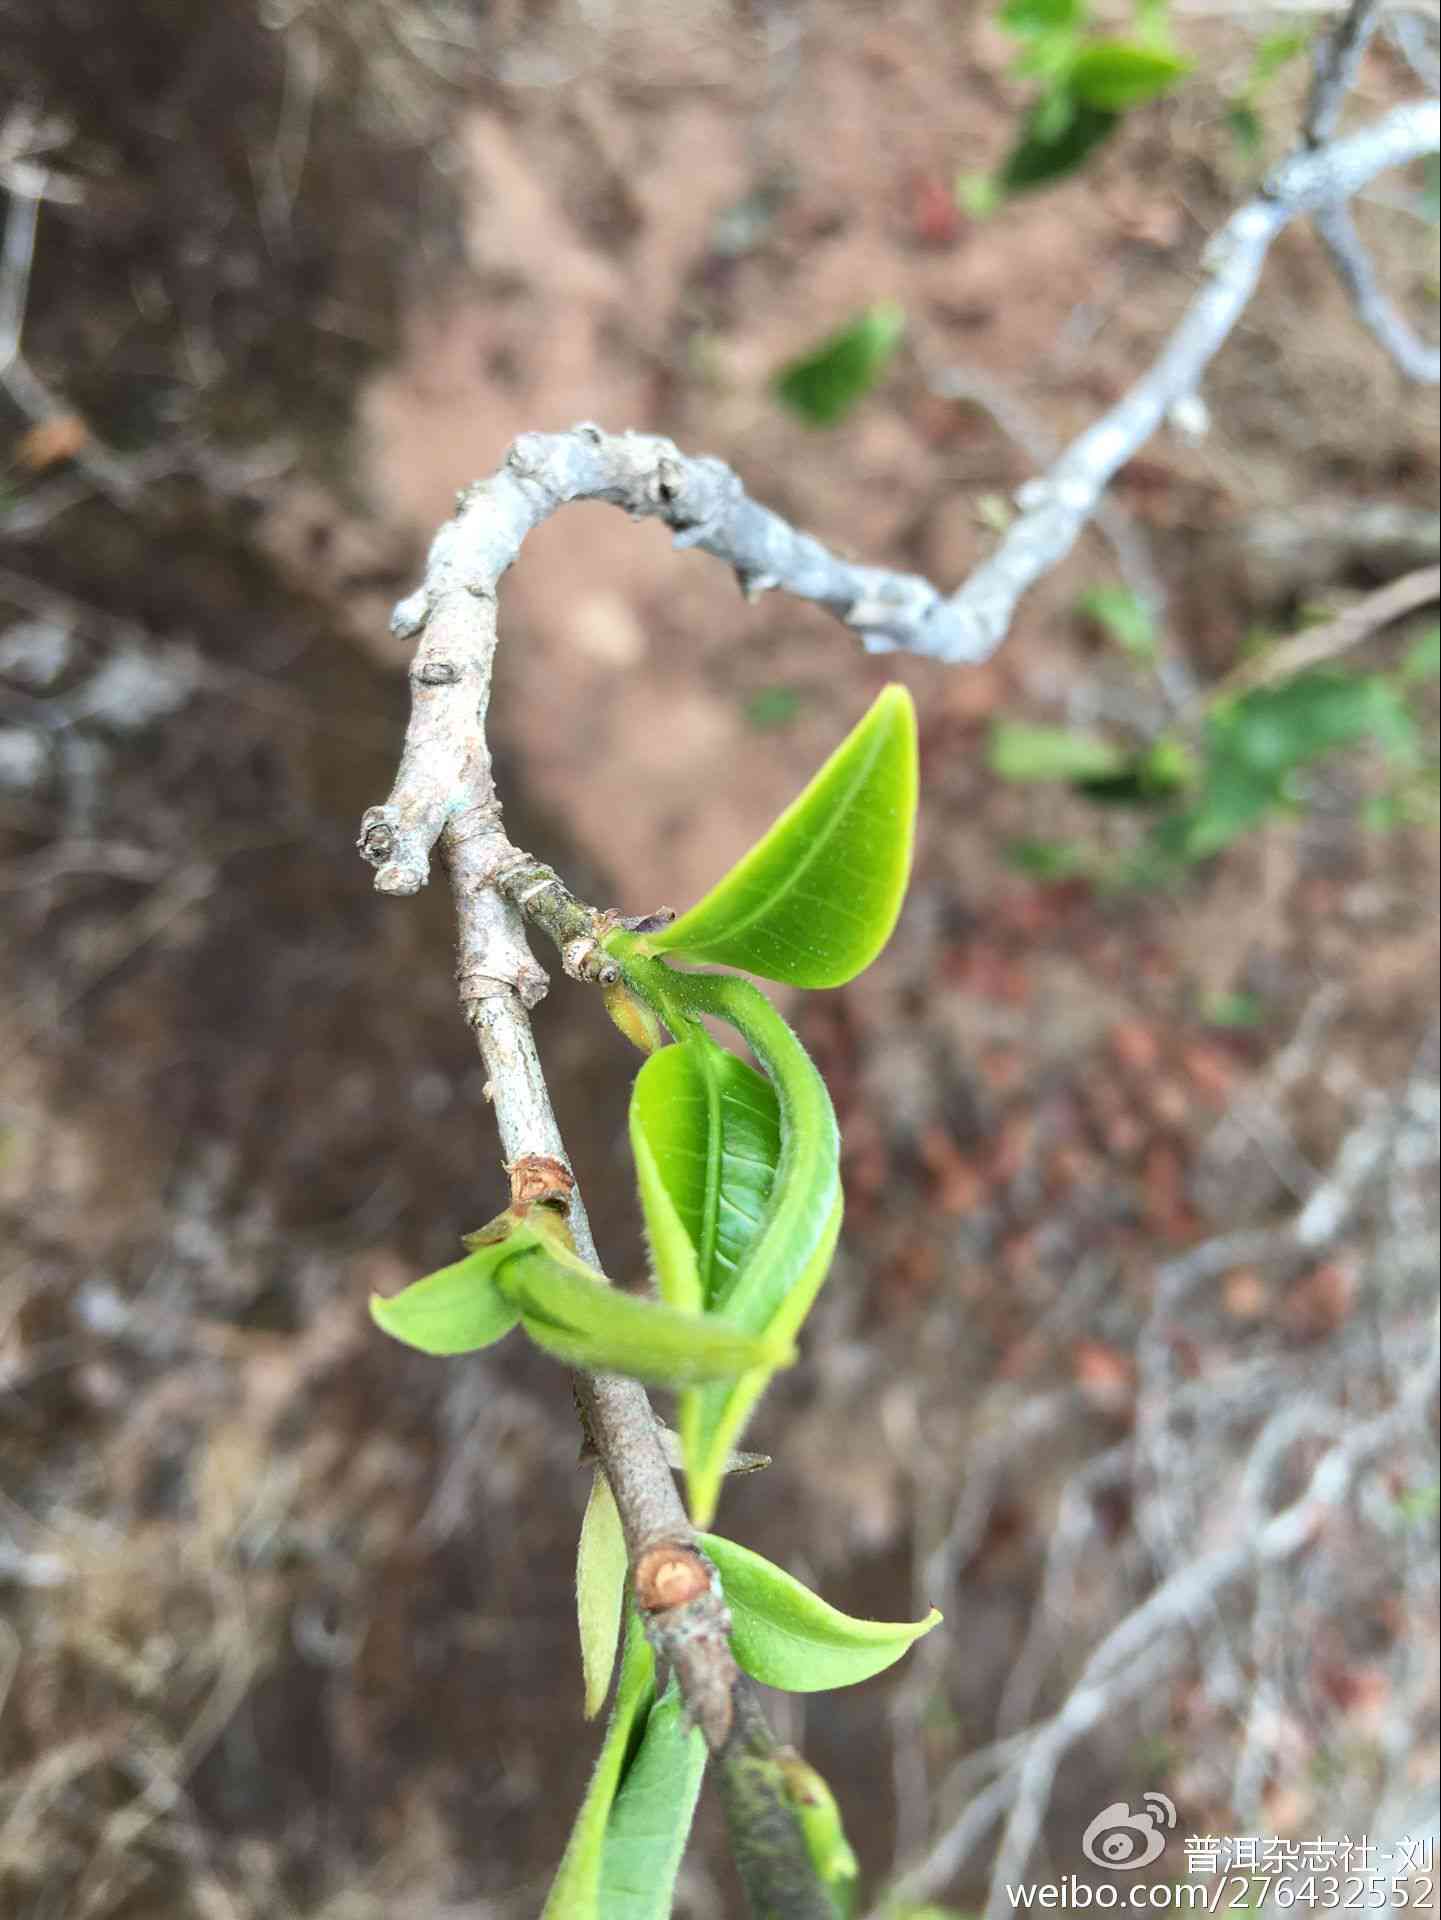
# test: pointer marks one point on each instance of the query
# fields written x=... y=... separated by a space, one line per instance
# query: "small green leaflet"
x=705 y=1130
x=824 y=385
x=457 y=1310
x=786 y=1636
x=523 y=1267
x=600 y=1571
x=575 y=1893
x=815 y=900
x=831 y=1853
x=650 y=1820
x=1113 y=75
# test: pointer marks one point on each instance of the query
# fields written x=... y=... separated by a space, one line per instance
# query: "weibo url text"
x=1348 y=1893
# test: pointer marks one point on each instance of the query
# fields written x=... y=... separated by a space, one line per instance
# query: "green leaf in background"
x=1243 y=123
x=1273 y=52
x=1023 y=753
x=1274 y=729
x=1423 y=662
x=1232 y=1010
x=574 y=1313
x=575 y=1891
x=1047 y=151
x=1050 y=859
x=1034 y=18
x=823 y=386
x=1123 y=618
x=651 y=1817
x=1256 y=742
x=786 y=1636
x=815 y=900
x=1431 y=191
x=600 y=1571
x=772 y=707
x=831 y=1853
x=1114 y=76
x=460 y=1309
x=706 y=1133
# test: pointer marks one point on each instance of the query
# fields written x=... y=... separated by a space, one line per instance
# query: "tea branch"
x=444 y=796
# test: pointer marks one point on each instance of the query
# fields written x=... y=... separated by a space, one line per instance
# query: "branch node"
x=669 y=1575
x=539 y=1179
x=530 y=984
x=438 y=673
x=410 y=614
x=526 y=456
x=753 y=585
x=401 y=879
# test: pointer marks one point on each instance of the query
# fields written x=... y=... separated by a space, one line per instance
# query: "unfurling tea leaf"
x=524 y=1267
x=650 y=1820
x=574 y=1313
x=785 y=1636
x=814 y=901
x=626 y=1845
x=575 y=1892
x=600 y=1571
x=705 y=1129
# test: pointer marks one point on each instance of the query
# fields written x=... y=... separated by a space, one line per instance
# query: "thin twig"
x=1317 y=644
x=1415 y=357
x=1338 y=60
x=1056 y=507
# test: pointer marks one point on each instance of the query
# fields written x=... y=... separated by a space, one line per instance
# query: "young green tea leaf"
x=574 y=1313
x=1051 y=146
x=779 y=1272
x=815 y=900
x=600 y=1571
x=633 y=1017
x=785 y=1636
x=1112 y=76
x=815 y=1807
x=457 y=1310
x=705 y=1129
x=1023 y=753
x=651 y=1817
x=823 y=386
x=575 y=1893
x=712 y=1419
